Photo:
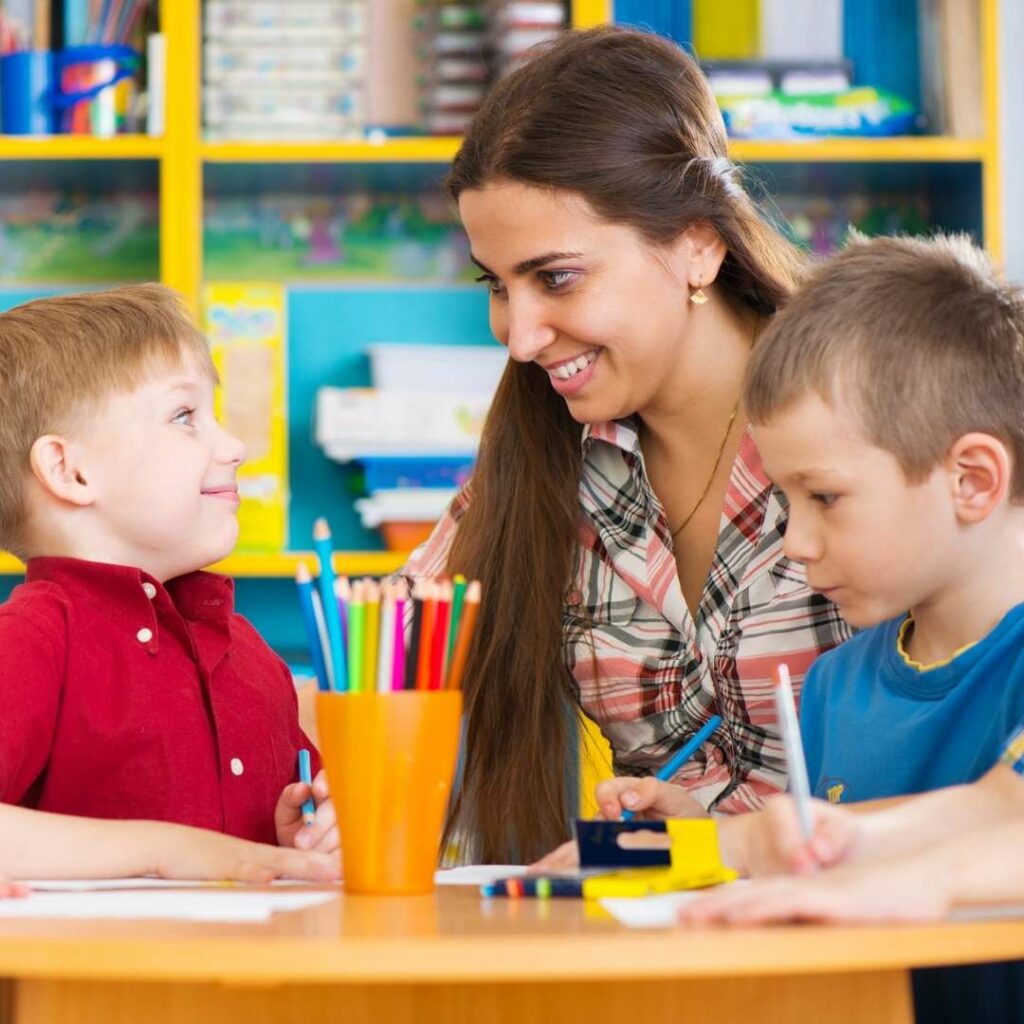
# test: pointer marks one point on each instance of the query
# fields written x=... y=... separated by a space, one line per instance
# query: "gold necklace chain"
x=721 y=450
x=711 y=479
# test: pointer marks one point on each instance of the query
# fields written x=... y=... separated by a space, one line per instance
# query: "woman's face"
x=591 y=302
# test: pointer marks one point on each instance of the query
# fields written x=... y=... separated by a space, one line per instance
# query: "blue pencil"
x=304 y=582
x=306 y=776
x=324 y=551
x=670 y=767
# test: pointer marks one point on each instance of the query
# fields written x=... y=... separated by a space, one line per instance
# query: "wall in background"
x=1011 y=132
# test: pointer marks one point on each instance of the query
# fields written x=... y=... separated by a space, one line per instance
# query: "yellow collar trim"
x=901 y=636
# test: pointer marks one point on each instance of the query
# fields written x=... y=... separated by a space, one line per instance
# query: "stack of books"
x=285 y=71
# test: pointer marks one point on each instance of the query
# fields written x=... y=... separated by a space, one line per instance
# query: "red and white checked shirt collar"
x=647 y=671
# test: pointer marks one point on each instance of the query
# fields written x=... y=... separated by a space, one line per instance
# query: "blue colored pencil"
x=306 y=776
x=304 y=582
x=670 y=767
x=324 y=551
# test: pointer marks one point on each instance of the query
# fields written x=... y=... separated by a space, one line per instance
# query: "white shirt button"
x=149 y=590
x=144 y=635
x=236 y=766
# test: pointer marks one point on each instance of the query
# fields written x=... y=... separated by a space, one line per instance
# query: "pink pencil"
x=398 y=641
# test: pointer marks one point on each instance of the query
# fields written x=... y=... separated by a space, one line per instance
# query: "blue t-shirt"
x=875 y=726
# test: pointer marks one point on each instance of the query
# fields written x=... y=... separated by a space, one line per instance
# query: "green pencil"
x=356 y=637
x=458 y=596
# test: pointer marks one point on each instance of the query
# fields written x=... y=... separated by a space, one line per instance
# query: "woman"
x=629 y=543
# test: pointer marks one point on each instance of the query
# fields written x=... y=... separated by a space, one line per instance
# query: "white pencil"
x=789 y=726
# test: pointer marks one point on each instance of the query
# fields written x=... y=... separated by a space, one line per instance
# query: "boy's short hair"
x=919 y=338
x=59 y=356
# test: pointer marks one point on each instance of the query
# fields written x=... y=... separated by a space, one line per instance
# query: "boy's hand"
x=887 y=890
x=770 y=841
x=322 y=835
x=195 y=853
x=11 y=889
x=648 y=798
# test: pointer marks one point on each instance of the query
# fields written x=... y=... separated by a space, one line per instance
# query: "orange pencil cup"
x=390 y=759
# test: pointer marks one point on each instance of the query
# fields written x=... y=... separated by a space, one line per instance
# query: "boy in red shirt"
x=130 y=687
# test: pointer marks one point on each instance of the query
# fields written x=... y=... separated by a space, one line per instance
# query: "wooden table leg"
x=854 y=998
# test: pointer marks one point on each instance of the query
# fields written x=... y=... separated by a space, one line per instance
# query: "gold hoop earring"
x=698 y=298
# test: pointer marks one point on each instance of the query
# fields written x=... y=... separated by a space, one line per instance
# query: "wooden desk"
x=455 y=958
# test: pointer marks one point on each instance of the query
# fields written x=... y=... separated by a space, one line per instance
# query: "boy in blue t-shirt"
x=887 y=402
x=888 y=405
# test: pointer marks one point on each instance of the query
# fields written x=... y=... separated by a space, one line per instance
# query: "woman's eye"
x=556 y=280
x=184 y=417
x=493 y=284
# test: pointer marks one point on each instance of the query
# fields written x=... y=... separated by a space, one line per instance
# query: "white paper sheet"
x=478 y=874
x=648 y=911
x=144 y=882
x=222 y=905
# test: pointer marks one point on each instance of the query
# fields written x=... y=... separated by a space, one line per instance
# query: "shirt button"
x=236 y=766
x=149 y=590
x=144 y=635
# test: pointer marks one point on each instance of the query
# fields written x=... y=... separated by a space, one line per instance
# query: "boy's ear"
x=979 y=467
x=54 y=464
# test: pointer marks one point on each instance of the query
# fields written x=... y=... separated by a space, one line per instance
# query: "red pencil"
x=440 y=643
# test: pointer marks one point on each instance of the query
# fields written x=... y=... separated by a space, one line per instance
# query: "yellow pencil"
x=372 y=636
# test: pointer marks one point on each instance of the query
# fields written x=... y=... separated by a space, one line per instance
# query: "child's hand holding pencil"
x=293 y=809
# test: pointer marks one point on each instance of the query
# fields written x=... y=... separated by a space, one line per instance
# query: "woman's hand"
x=648 y=798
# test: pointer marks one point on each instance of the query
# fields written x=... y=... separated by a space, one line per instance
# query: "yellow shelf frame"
x=80 y=147
x=278 y=565
x=182 y=154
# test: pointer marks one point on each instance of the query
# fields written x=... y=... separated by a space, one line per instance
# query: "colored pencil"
x=413 y=646
x=325 y=644
x=426 y=637
x=371 y=646
x=385 y=638
x=343 y=593
x=322 y=547
x=685 y=752
x=458 y=596
x=398 y=642
x=789 y=727
x=306 y=776
x=356 y=636
x=439 y=645
x=470 y=610
x=304 y=582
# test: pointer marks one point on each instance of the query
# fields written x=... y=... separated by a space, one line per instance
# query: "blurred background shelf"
x=358 y=237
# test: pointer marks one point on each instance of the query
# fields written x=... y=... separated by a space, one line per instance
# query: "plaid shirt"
x=649 y=673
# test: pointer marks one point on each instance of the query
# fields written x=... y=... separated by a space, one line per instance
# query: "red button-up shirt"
x=122 y=698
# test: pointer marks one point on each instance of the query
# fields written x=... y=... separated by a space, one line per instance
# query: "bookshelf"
x=184 y=160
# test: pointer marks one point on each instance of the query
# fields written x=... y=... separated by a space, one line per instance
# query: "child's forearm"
x=943 y=814
x=983 y=866
x=40 y=845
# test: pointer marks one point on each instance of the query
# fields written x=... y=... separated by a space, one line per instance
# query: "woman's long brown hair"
x=626 y=120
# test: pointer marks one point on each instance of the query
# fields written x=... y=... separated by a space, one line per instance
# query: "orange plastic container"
x=390 y=760
x=405 y=536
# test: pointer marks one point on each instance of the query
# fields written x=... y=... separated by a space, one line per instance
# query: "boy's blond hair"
x=61 y=356
x=919 y=338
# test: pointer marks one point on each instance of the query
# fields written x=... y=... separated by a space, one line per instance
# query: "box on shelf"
x=444 y=369
x=246 y=328
x=353 y=423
